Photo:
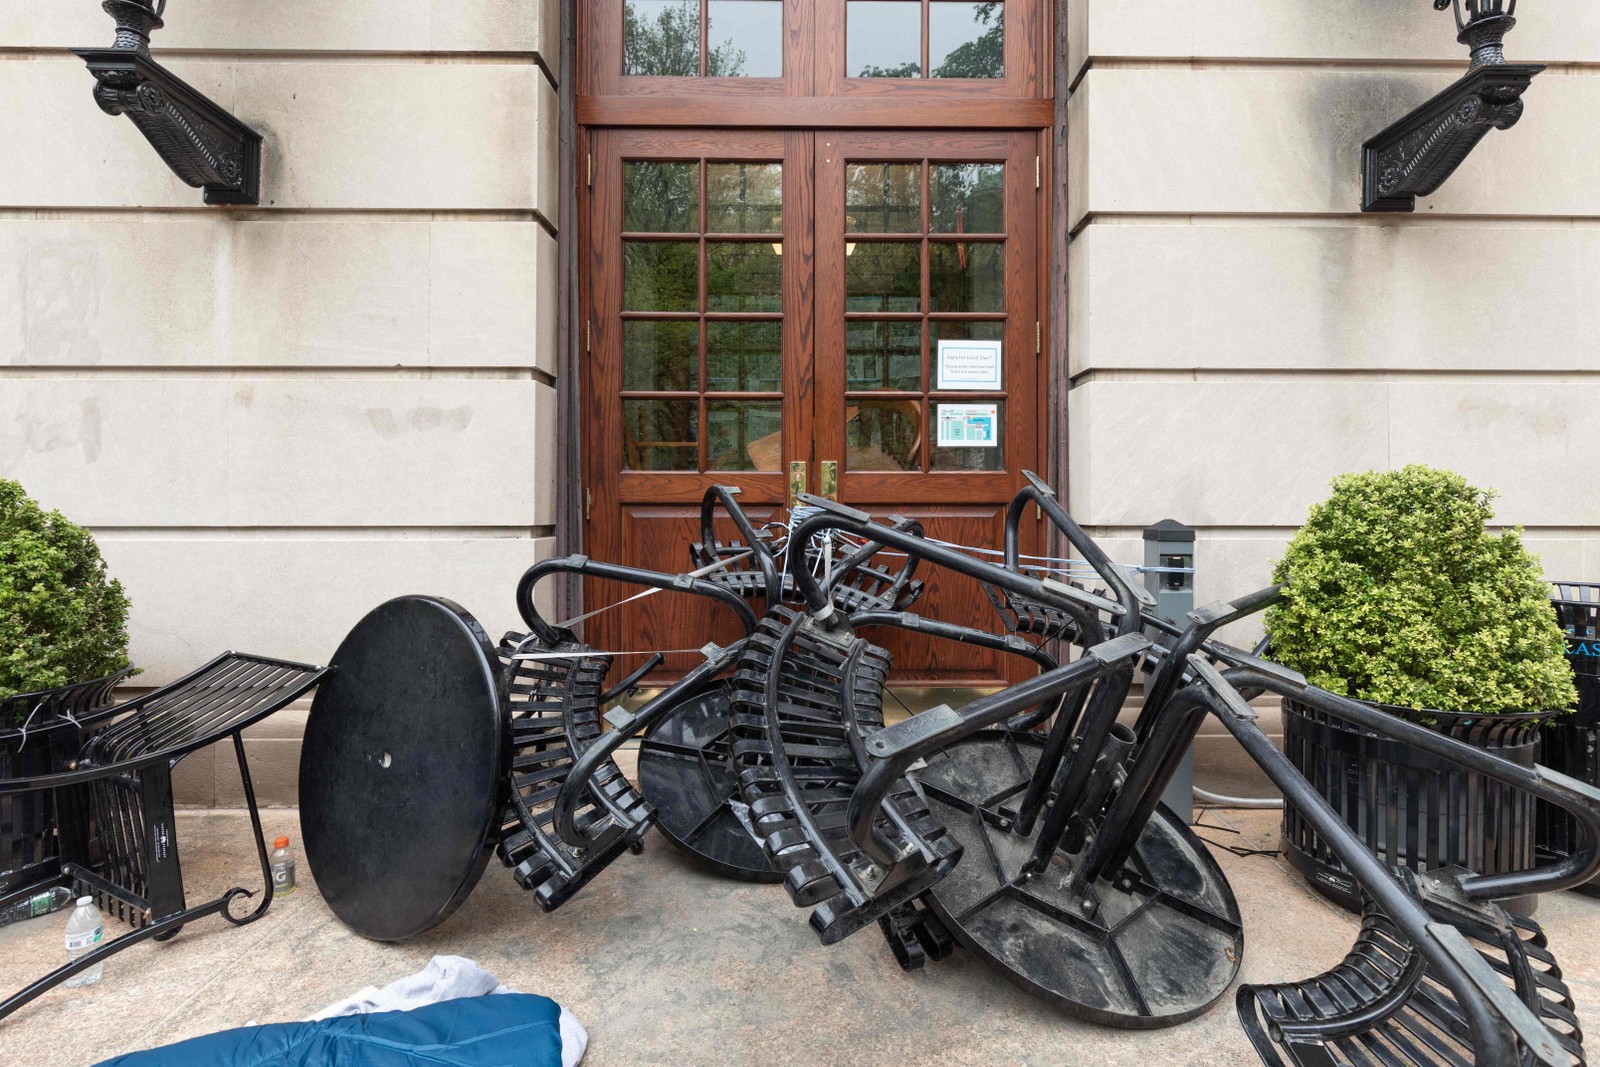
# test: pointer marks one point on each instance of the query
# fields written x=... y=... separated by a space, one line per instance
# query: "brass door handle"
x=830 y=479
x=797 y=480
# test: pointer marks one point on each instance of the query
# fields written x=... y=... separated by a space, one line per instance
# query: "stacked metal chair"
x=1025 y=827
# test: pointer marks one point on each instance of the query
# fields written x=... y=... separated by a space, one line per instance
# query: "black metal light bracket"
x=203 y=144
x=1416 y=155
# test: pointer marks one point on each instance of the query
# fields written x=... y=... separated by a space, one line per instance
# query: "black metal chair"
x=570 y=810
x=116 y=832
x=755 y=563
x=808 y=703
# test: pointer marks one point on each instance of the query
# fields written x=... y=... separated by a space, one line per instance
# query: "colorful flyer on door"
x=969 y=364
x=968 y=425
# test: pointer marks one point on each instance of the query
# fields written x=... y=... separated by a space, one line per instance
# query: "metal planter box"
x=1412 y=810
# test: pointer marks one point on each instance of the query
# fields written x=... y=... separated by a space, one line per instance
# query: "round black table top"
x=686 y=771
x=401 y=767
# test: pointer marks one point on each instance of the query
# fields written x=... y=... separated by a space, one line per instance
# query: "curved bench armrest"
x=1131 y=597
x=723 y=495
x=616 y=572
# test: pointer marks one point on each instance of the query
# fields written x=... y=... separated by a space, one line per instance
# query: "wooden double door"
x=853 y=313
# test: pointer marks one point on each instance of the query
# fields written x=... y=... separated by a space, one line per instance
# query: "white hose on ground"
x=1217 y=800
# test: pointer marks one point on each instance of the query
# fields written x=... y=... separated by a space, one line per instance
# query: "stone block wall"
x=275 y=418
x=1239 y=333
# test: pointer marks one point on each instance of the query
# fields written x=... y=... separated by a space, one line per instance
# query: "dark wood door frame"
x=810 y=106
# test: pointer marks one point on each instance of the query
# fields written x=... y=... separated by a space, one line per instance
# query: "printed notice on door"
x=968 y=425
x=969 y=364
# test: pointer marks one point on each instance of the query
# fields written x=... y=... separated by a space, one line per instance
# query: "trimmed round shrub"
x=62 y=620
x=1395 y=592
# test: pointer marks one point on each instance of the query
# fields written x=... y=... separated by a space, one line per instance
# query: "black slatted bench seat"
x=555 y=719
x=117 y=838
x=804 y=705
x=1380 y=1005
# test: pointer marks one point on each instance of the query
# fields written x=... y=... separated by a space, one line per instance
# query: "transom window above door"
x=744 y=38
x=868 y=49
x=924 y=39
x=702 y=38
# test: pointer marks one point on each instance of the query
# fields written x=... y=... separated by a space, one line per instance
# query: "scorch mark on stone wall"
x=423 y=419
x=52 y=433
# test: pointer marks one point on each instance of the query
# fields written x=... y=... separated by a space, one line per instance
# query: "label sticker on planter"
x=968 y=425
x=969 y=365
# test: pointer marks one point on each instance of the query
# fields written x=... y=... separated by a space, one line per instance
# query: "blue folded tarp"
x=509 y=1030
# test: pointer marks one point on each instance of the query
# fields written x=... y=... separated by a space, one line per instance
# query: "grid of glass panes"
x=924 y=264
x=924 y=39
x=703 y=38
x=702 y=315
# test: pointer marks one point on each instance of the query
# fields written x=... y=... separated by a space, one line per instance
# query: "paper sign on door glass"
x=968 y=425
x=969 y=365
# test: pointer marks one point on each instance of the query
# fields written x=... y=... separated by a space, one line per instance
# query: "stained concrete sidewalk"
x=666 y=964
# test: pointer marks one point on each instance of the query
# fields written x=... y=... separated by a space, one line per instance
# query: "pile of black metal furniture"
x=1024 y=827
x=86 y=795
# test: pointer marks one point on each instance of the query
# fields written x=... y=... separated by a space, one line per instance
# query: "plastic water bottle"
x=282 y=868
x=84 y=932
x=36 y=905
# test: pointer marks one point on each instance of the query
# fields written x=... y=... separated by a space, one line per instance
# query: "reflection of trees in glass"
x=904 y=70
x=981 y=57
x=984 y=56
x=668 y=45
x=743 y=276
x=660 y=197
x=967 y=198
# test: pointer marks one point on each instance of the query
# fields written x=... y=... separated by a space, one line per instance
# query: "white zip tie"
x=596 y=654
x=23 y=729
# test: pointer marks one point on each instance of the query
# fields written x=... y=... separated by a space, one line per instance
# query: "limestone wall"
x=1238 y=332
x=275 y=418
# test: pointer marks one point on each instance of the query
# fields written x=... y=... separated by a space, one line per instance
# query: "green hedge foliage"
x=61 y=619
x=1395 y=592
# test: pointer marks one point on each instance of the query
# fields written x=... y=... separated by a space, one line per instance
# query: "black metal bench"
x=1439 y=974
x=1382 y=1005
x=117 y=839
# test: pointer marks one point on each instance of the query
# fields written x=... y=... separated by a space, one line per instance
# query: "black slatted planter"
x=1567 y=744
x=38 y=733
x=1410 y=809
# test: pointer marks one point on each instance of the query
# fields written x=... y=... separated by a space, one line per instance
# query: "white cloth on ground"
x=447 y=978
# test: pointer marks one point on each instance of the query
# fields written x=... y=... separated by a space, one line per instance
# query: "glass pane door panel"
x=926 y=318
x=702 y=310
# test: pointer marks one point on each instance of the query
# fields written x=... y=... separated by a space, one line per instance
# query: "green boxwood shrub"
x=61 y=619
x=1395 y=592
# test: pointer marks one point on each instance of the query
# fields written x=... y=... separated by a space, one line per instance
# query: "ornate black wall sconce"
x=203 y=144
x=1416 y=155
